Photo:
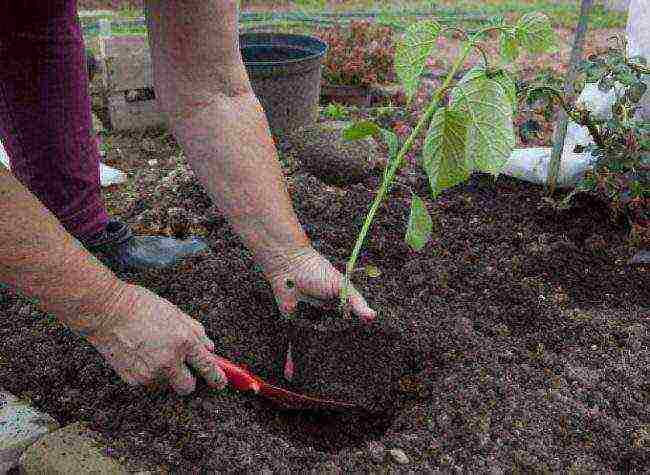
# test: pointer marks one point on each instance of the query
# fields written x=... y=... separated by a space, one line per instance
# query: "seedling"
x=469 y=124
x=336 y=111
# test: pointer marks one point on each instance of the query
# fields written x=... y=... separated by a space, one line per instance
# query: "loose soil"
x=517 y=339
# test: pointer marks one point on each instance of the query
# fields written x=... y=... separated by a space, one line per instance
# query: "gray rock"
x=377 y=451
x=321 y=150
x=399 y=456
x=20 y=426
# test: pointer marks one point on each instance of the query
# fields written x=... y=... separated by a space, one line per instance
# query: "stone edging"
x=34 y=443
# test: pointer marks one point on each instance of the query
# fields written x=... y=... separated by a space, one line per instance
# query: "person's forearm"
x=40 y=259
x=229 y=147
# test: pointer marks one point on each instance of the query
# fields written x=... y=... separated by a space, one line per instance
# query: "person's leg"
x=45 y=126
x=45 y=115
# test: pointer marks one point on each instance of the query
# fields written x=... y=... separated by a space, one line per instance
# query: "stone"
x=377 y=451
x=126 y=63
x=321 y=151
x=399 y=456
x=72 y=449
x=20 y=426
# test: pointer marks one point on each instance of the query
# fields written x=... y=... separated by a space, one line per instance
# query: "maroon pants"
x=45 y=118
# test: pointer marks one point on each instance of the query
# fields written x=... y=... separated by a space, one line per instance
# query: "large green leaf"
x=509 y=46
x=535 y=33
x=420 y=224
x=501 y=76
x=412 y=51
x=489 y=114
x=444 y=151
x=390 y=138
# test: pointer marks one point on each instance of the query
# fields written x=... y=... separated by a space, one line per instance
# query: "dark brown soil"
x=516 y=339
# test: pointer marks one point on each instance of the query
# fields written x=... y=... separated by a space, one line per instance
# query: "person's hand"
x=146 y=340
x=307 y=276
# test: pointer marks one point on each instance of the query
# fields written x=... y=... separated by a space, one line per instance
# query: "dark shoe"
x=120 y=250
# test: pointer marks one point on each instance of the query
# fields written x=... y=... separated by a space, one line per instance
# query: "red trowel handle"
x=238 y=377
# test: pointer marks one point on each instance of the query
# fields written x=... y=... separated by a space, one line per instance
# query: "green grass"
x=564 y=14
x=561 y=13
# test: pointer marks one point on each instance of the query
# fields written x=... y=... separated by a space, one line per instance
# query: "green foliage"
x=489 y=113
x=361 y=130
x=508 y=46
x=471 y=123
x=445 y=150
x=413 y=50
x=621 y=170
x=360 y=54
x=336 y=111
x=420 y=224
x=535 y=34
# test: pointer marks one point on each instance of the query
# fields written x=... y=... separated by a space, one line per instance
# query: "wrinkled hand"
x=307 y=276
x=146 y=339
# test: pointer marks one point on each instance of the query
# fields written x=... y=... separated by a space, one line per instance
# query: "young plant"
x=621 y=148
x=336 y=111
x=470 y=124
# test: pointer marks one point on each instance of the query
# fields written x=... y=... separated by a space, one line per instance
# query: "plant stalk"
x=388 y=178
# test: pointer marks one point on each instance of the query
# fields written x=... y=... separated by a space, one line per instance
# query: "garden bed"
x=516 y=339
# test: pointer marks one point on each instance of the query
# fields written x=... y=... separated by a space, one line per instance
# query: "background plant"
x=360 y=54
x=621 y=170
x=470 y=124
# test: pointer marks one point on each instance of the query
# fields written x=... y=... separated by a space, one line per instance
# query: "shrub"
x=359 y=55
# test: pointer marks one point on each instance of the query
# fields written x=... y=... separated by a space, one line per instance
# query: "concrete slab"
x=20 y=426
x=72 y=449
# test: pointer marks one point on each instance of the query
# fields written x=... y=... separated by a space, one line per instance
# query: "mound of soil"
x=515 y=340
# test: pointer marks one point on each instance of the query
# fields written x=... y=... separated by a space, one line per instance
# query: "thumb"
x=286 y=296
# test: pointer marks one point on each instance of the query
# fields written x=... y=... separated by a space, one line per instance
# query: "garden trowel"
x=243 y=380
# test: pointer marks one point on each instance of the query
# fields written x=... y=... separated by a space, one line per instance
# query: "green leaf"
x=412 y=51
x=535 y=33
x=509 y=86
x=360 y=130
x=372 y=271
x=500 y=75
x=420 y=225
x=444 y=150
x=489 y=111
x=509 y=46
x=390 y=138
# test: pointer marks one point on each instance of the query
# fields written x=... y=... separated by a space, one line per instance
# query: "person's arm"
x=202 y=85
x=41 y=260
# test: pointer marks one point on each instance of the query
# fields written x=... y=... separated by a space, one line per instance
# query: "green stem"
x=388 y=178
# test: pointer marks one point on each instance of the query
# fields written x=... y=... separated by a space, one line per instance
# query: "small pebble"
x=399 y=456
x=377 y=451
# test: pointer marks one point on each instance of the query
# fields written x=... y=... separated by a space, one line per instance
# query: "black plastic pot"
x=285 y=73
